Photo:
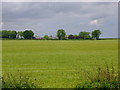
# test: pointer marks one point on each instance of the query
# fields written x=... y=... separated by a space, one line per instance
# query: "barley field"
x=56 y=63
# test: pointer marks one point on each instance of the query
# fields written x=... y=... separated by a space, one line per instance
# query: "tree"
x=96 y=34
x=84 y=35
x=0 y=34
x=28 y=34
x=46 y=37
x=61 y=34
x=20 y=33
x=12 y=34
x=8 y=34
x=76 y=37
x=71 y=37
x=5 y=34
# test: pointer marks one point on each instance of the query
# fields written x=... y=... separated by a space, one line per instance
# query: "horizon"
x=56 y=35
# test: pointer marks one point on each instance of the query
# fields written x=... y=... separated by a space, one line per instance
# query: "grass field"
x=58 y=64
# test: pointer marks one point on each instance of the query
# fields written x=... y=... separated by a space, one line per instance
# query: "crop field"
x=57 y=63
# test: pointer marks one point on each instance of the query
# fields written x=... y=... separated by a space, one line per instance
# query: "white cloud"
x=94 y=22
x=1 y=23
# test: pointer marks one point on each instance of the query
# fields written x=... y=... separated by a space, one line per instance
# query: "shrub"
x=105 y=78
x=19 y=81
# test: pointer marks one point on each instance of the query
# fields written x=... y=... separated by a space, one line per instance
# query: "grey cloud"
x=47 y=17
x=46 y=10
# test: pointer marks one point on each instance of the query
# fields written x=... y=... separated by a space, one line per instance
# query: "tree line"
x=61 y=35
x=27 y=34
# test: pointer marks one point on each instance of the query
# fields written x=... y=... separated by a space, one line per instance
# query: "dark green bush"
x=19 y=81
x=105 y=78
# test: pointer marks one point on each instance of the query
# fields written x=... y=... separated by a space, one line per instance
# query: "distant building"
x=37 y=37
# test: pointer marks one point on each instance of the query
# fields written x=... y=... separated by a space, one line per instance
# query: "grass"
x=58 y=64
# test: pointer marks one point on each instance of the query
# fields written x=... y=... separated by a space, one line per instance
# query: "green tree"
x=28 y=34
x=61 y=34
x=5 y=34
x=0 y=34
x=20 y=33
x=96 y=34
x=75 y=36
x=12 y=34
x=46 y=37
x=84 y=35
x=70 y=36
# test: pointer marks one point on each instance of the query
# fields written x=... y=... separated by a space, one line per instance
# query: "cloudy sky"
x=47 y=17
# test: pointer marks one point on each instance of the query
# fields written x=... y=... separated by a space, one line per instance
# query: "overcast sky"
x=47 y=17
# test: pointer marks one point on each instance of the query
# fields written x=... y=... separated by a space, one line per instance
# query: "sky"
x=60 y=0
x=45 y=18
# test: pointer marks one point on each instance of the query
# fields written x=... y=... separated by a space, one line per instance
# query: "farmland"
x=57 y=63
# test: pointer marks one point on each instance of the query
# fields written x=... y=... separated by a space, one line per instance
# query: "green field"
x=58 y=63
